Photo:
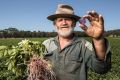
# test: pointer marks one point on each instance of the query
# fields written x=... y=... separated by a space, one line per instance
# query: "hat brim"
x=53 y=17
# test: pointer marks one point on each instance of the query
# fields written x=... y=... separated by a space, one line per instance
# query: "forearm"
x=100 y=48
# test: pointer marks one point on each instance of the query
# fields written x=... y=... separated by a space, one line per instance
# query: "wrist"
x=98 y=38
x=98 y=41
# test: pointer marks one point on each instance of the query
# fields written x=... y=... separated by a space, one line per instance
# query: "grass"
x=14 y=41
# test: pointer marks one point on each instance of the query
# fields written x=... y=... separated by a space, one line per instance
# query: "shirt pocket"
x=73 y=64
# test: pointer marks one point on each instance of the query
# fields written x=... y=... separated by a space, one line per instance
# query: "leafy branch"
x=20 y=57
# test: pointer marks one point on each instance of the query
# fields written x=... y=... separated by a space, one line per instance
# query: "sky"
x=31 y=15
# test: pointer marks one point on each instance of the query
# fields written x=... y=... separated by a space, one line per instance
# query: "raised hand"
x=96 y=27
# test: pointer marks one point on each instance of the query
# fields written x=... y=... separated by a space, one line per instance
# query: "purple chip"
x=82 y=21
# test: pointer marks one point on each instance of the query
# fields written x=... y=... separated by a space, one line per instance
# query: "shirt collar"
x=74 y=40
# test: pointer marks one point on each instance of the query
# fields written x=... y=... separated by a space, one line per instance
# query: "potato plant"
x=26 y=61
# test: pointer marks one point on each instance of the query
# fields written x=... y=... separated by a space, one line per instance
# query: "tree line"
x=15 y=33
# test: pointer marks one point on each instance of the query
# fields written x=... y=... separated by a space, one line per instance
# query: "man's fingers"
x=88 y=17
x=101 y=20
x=94 y=16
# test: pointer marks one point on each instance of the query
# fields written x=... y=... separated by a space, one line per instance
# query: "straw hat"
x=64 y=10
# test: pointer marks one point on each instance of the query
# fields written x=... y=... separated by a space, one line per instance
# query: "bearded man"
x=70 y=56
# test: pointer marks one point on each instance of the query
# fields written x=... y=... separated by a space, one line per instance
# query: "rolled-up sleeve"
x=99 y=66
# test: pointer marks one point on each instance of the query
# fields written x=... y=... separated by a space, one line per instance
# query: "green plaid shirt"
x=71 y=63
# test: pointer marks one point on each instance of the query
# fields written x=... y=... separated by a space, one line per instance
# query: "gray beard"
x=65 y=33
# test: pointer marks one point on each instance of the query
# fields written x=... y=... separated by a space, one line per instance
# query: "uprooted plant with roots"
x=40 y=69
x=26 y=61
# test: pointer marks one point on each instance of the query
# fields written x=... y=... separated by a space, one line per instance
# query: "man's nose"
x=64 y=21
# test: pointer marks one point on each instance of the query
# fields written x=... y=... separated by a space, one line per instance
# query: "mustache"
x=64 y=26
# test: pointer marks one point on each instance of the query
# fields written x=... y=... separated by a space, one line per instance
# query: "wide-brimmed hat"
x=64 y=10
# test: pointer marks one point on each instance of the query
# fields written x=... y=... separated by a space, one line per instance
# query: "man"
x=69 y=55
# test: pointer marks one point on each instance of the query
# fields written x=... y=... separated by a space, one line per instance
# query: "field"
x=14 y=41
x=113 y=74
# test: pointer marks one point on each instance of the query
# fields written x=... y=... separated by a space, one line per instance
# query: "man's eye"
x=68 y=19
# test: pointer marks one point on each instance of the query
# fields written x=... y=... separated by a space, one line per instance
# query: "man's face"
x=64 y=26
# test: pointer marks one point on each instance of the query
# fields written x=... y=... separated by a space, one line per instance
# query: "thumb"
x=83 y=27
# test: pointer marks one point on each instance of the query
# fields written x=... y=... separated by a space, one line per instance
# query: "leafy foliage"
x=15 y=58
